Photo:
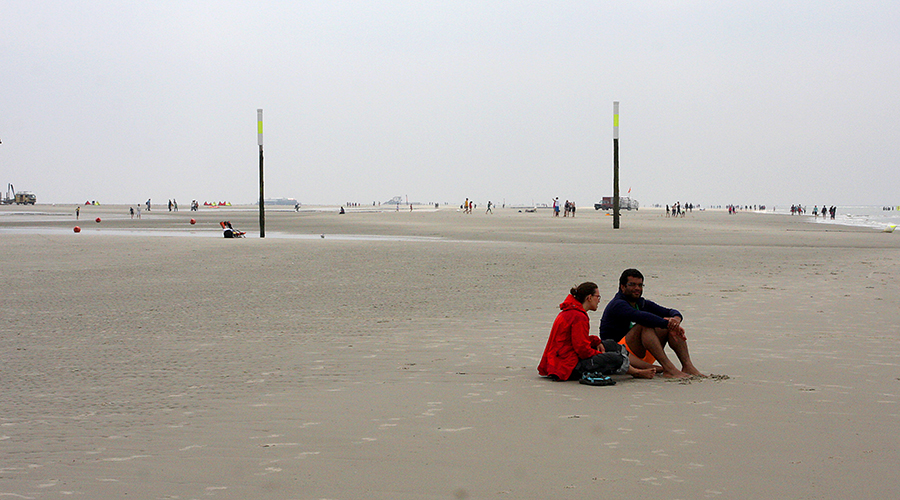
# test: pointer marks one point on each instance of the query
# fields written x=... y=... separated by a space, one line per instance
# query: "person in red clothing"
x=572 y=354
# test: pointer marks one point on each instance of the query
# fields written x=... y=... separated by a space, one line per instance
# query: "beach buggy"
x=230 y=231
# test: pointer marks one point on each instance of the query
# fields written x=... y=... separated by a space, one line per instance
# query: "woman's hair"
x=582 y=291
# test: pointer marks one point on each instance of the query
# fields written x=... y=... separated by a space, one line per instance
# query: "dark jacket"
x=620 y=316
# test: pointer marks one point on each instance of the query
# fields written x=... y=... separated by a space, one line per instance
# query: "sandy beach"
x=393 y=354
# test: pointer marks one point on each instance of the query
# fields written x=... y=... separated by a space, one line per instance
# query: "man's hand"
x=675 y=327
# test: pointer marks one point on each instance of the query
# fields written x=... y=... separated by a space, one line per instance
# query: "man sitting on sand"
x=645 y=328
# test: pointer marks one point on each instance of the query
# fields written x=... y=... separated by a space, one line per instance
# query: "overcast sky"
x=749 y=102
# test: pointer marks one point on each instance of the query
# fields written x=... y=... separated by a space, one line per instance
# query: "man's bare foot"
x=638 y=373
x=676 y=374
x=692 y=370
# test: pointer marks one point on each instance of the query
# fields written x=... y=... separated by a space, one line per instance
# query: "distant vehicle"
x=625 y=203
x=20 y=198
x=280 y=201
x=25 y=198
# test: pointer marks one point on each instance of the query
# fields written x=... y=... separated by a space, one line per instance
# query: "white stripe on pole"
x=259 y=124
x=615 y=120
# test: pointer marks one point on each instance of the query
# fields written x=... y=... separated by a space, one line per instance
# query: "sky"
x=743 y=102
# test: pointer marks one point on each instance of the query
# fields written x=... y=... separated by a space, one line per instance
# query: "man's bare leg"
x=652 y=340
x=633 y=338
x=681 y=350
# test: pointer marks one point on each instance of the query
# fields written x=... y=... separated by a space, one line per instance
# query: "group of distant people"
x=468 y=206
x=631 y=339
x=173 y=206
x=568 y=207
x=677 y=210
x=825 y=212
x=732 y=209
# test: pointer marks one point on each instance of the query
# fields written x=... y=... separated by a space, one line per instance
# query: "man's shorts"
x=647 y=357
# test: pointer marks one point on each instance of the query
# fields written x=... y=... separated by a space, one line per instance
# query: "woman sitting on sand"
x=572 y=353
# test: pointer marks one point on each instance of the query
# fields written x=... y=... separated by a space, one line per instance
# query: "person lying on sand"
x=572 y=354
x=645 y=328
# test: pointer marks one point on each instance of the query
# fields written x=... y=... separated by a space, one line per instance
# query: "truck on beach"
x=625 y=203
x=26 y=198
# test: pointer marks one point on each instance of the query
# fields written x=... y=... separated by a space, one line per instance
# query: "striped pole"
x=615 y=164
x=262 y=205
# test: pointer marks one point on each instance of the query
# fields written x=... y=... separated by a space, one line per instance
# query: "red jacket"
x=569 y=341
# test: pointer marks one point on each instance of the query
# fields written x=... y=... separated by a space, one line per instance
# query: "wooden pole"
x=615 y=164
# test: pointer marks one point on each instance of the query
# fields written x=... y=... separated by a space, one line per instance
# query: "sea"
x=874 y=216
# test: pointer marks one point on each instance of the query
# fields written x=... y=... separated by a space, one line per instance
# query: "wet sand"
x=396 y=356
